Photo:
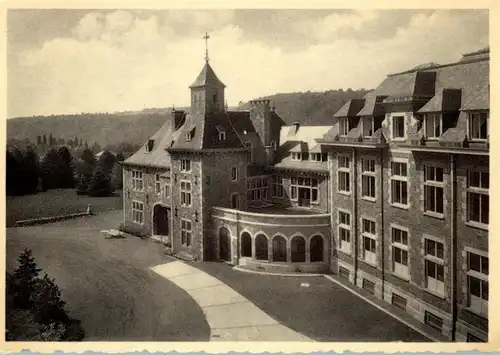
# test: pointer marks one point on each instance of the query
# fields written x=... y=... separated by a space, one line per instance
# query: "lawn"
x=55 y=203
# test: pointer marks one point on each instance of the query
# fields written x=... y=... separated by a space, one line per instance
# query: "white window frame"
x=185 y=193
x=367 y=175
x=308 y=183
x=402 y=179
x=137 y=180
x=234 y=173
x=393 y=120
x=222 y=136
x=185 y=165
x=470 y=130
x=342 y=170
x=186 y=233
x=431 y=183
x=344 y=247
x=277 y=186
x=137 y=212
x=368 y=256
x=296 y=156
x=477 y=304
x=399 y=269
x=432 y=283
x=477 y=190
x=315 y=157
x=372 y=124
x=157 y=184
x=427 y=121
x=189 y=136
x=257 y=188
x=237 y=200
x=343 y=126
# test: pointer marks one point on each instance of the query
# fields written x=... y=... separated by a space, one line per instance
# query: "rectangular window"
x=277 y=186
x=257 y=188
x=186 y=232
x=369 y=286
x=308 y=187
x=343 y=126
x=369 y=241
x=344 y=272
x=185 y=165
x=433 y=189
x=399 y=301
x=297 y=156
x=433 y=126
x=368 y=178
x=434 y=266
x=185 y=193
x=235 y=201
x=398 y=127
x=477 y=283
x=137 y=212
x=478 y=199
x=474 y=339
x=316 y=157
x=167 y=187
x=248 y=145
x=344 y=174
x=157 y=184
x=400 y=252
x=399 y=183
x=137 y=182
x=222 y=136
x=434 y=321
x=478 y=125
x=344 y=228
x=234 y=173
x=368 y=127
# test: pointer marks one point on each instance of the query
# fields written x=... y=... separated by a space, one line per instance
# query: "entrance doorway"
x=304 y=197
x=224 y=244
x=161 y=220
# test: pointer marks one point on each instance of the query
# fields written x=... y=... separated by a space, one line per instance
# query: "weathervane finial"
x=206 y=37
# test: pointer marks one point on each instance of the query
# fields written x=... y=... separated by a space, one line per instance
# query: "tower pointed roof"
x=207 y=77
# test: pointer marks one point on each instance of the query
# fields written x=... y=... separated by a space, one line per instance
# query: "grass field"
x=55 y=203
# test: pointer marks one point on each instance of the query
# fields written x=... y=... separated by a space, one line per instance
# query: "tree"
x=118 y=176
x=30 y=171
x=44 y=139
x=84 y=169
x=107 y=160
x=48 y=306
x=24 y=279
x=13 y=171
x=51 y=140
x=57 y=170
x=100 y=184
x=38 y=140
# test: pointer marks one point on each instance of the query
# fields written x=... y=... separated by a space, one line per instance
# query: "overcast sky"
x=72 y=61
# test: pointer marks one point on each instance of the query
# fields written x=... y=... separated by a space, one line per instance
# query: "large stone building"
x=393 y=195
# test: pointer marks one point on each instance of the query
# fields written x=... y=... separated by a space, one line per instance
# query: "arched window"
x=298 y=249
x=246 y=245
x=316 y=248
x=261 y=247
x=224 y=243
x=279 y=248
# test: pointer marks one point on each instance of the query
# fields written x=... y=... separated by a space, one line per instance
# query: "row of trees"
x=34 y=308
x=28 y=174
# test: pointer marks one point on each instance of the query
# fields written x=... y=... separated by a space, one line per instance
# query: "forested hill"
x=311 y=108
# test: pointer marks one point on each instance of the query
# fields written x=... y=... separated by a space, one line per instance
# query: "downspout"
x=355 y=214
x=453 y=247
x=382 y=234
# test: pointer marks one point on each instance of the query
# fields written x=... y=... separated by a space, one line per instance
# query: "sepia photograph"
x=247 y=175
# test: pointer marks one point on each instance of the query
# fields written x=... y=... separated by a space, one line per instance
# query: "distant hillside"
x=308 y=108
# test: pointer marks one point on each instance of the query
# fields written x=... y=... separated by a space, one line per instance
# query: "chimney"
x=296 y=126
x=177 y=117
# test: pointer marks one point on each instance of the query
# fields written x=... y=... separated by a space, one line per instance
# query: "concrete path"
x=231 y=316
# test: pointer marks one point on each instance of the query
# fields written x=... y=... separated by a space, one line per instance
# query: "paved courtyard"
x=127 y=289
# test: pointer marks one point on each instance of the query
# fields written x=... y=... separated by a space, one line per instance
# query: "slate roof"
x=350 y=108
x=445 y=100
x=481 y=101
x=207 y=77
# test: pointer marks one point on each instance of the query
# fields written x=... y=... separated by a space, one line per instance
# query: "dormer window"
x=221 y=132
x=190 y=133
x=316 y=157
x=433 y=125
x=478 y=125
x=398 y=127
x=368 y=126
x=189 y=136
x=150 y=145
x=343 y=126
x=296 y=156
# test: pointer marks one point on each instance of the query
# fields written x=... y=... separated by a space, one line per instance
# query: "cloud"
x=121 y=60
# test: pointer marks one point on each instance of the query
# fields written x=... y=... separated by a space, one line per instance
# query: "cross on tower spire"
x=206 y=37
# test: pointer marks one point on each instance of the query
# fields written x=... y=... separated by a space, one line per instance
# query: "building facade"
x=393 y=195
